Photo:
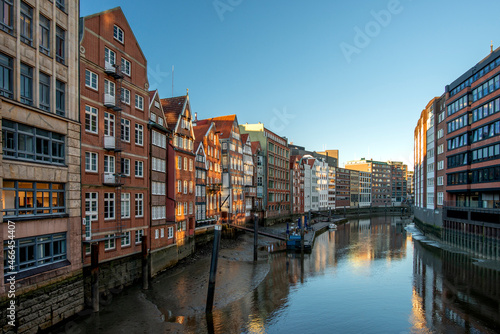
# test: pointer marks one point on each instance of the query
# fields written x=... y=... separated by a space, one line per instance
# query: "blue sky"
x=304 y=69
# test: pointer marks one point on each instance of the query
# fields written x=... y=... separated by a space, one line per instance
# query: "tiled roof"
x=199 y=132
x=255 y=147
x=223 y=124
x=244 y=138
x=172 y=108
x=151 y=94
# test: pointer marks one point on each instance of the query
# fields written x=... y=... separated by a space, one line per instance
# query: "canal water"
x=378 y=275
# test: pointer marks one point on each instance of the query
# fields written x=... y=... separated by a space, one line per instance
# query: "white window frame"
x=139 y=205
x=170 y=232
x=138 y=235
x=127 y=70
x=157 y=233
x=109 y=87
x=92 y=76
x=110 y=242
x=125 y=240
x=125 y=96
x=111 y=200
x=139 y=168
x=109 y=56
x=93 y=116
x=125 y=205
x=139 y=102
x=139 y=134
x=109 y=164
x=118 y=34
x=109 y=120
x=93 y=157
x=125 y=130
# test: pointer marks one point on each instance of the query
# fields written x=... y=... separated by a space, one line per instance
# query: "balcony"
x=113 y=70
x=110 y=144
x=111 y=179
x=250 y=191
x=110 y=102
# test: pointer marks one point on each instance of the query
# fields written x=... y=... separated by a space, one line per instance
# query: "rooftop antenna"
x=172 y=80
x=491 y=51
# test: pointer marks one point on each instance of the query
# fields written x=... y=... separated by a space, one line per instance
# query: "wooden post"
x=213 y=269
x=255 y=236
x=145 y=274
x=94 y=271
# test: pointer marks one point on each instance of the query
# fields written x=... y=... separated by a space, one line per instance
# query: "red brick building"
x=296 y=184
x=179 y=120
x=232 y=197
x=115 y=145
x=162 y=172
x=208 y=173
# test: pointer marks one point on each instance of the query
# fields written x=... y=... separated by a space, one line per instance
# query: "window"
x=125 y=96
x=26 y=22
x=6 y=80
x=118 y=34
x=190 y=208
x=109 y=56
x=44 y=94
x=37 y=251
x=125 y=205
x=109 y=164
x=60 y=44
x=152 y=117
x=185 y=208
x=440 y=198
x=60 y=98
x=91 y=79
x=185 y=187
x=125 y=167
x=157 y=234
x=185 y=163
x=109 y=205
x=125 y=130
x=125 y=239
x=158 y=212
x=190 y=165
x=179 y=186
x=170 y=232
x=440 y=181
x=139 y=168
x=60 y=4
x=91 y=213
x=158 y=188
x=139 y=205
x=91 y=162
x=109 y=243
x=162 y=232
x=139 y=134
x=138 y=236
x=179 y=162
x=90 y=119
x=24 y=142
x=190 y=187
x=44 y=43
x=109 y=124
x=440 y=165
x=139 y=102
x=159 y=139
x=26 y=84
x=32 y=198
x=126 y=67
x=109 y=88
x=6 y=16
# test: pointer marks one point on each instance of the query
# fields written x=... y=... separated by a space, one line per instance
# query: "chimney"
x=195 y=119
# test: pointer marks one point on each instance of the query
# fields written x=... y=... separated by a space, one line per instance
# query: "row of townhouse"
x=317 y=186
x=457 y=152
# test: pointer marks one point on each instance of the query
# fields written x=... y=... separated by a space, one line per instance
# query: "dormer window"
x=118 y=34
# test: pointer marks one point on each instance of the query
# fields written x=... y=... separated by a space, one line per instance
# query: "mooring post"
x=255 y=236
x=145 y=274
x=94 y=271
x=213 y=269
x=302 y=235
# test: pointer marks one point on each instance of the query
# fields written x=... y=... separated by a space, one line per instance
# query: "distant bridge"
x=270 y=235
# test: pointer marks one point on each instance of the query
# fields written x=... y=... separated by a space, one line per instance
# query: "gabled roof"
x=224 y=124
x=244 y=138
x=152 y=94
x=200 y=131
x=173 y=108
x=119 y=9
x=256 y=147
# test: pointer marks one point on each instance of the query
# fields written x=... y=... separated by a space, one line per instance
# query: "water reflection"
x=368 y=276
x=453 y=293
